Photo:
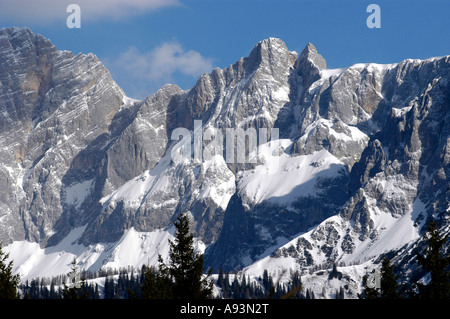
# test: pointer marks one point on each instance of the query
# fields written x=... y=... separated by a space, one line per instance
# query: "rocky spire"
x=310 y=55
x=309 y=64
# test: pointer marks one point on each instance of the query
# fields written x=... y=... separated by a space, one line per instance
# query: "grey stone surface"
x=70 y=141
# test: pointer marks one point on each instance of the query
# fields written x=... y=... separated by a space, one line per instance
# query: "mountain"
x=333 y=165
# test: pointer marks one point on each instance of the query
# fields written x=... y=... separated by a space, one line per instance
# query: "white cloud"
x=48 y=11
x=163 y=61
x=157 y=67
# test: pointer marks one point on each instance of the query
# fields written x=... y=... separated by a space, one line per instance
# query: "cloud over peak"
x=148 y=71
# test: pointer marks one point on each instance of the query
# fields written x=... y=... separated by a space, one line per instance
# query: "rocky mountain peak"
x=309 y=64
x=54 y=105
x=28 y=57
x=22 y=42
x=310 y=55
x=271 y=51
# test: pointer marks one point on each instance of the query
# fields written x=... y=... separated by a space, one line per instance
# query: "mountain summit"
x=310 y=55
x=362 y=160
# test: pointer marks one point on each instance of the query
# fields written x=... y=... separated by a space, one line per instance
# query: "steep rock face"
x=400 y=181
x=363 y=154
x=247 y=94
x=390 y=139
x=53 y=104
x=411 y=148
x=135 y=142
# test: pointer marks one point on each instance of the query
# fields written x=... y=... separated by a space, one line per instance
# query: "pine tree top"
x=8 y=281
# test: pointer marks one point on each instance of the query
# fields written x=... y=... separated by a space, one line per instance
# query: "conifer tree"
x=183 y=277
x=77 y=290
x=148 y=289
x=296 y=286
x=388 y=286
x=308 y=295
x=186 y=266
x=369 y=292
x=220 y=279
x=388 y=282
x=436 y=264
x=157 y=283
x=341 y=294
x=8 y=281
x=108 y=292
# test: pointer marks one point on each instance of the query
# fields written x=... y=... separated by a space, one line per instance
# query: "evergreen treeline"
x=433 y=261
x=242 y=287
x=122 y=284
x=183 y=277
x=131 y=285
x=118 y=284
x=52 y=288
x=39 y=289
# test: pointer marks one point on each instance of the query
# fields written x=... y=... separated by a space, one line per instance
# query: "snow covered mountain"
x=347 y=164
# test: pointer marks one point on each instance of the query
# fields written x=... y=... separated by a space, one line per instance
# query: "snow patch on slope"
x=133 y=249
x=393 y=233
x=290 y=176
x=318 y=281
x=77 y=193
x=134 y=190
x=219 y=184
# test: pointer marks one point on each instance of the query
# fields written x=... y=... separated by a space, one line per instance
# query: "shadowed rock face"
x=75 y=151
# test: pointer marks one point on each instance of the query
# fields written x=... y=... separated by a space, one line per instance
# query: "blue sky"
x=147 y=43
